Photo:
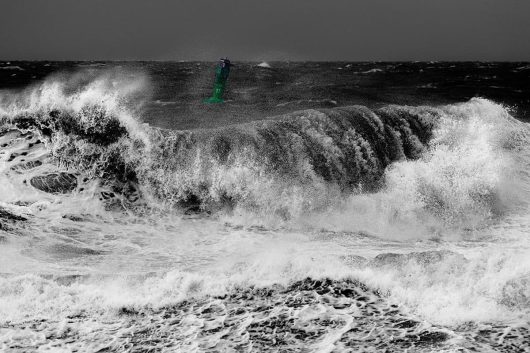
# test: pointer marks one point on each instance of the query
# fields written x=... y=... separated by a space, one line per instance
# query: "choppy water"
x=336 y=222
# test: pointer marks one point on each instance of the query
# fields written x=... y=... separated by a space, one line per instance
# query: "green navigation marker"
x=221 y=76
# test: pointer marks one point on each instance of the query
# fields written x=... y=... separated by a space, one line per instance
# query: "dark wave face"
x=335 y=229
x=314 y=314
x=342 y=148
x=284 y=167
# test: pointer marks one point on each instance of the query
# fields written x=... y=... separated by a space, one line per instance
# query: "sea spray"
x=389 y=170
x=340 y=228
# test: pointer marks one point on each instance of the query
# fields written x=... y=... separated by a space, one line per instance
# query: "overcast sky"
x=265 y=29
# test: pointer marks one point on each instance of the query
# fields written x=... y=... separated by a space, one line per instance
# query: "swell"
x=313 y=152
x=353 y=166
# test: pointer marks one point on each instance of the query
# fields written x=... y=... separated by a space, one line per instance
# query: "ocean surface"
x=324 y=207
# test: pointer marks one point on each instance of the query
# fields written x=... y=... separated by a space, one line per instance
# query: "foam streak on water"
x=330 y=230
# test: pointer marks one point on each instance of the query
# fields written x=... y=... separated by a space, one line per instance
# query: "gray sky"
x=265 y=29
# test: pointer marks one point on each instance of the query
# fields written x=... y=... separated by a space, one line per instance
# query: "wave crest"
x=350 y=168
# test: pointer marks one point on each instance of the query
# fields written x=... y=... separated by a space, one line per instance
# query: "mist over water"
x=393 y=226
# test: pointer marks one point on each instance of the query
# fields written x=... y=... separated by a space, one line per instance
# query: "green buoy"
x=221 y=76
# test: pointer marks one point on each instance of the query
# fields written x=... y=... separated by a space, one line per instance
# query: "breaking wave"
x=458 y=165
x=79 y=171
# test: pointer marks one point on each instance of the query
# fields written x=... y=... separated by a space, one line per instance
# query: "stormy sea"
x=324 y=207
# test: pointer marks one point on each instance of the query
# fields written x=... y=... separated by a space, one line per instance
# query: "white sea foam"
x=372 y=71
x=454 y=215
x=474 y=172
x=118 y=93
x=11 y=67
x=264 y=65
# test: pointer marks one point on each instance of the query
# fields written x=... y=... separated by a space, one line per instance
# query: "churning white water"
x=329 y=230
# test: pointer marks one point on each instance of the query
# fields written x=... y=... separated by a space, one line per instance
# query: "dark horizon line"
x=268 y=61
